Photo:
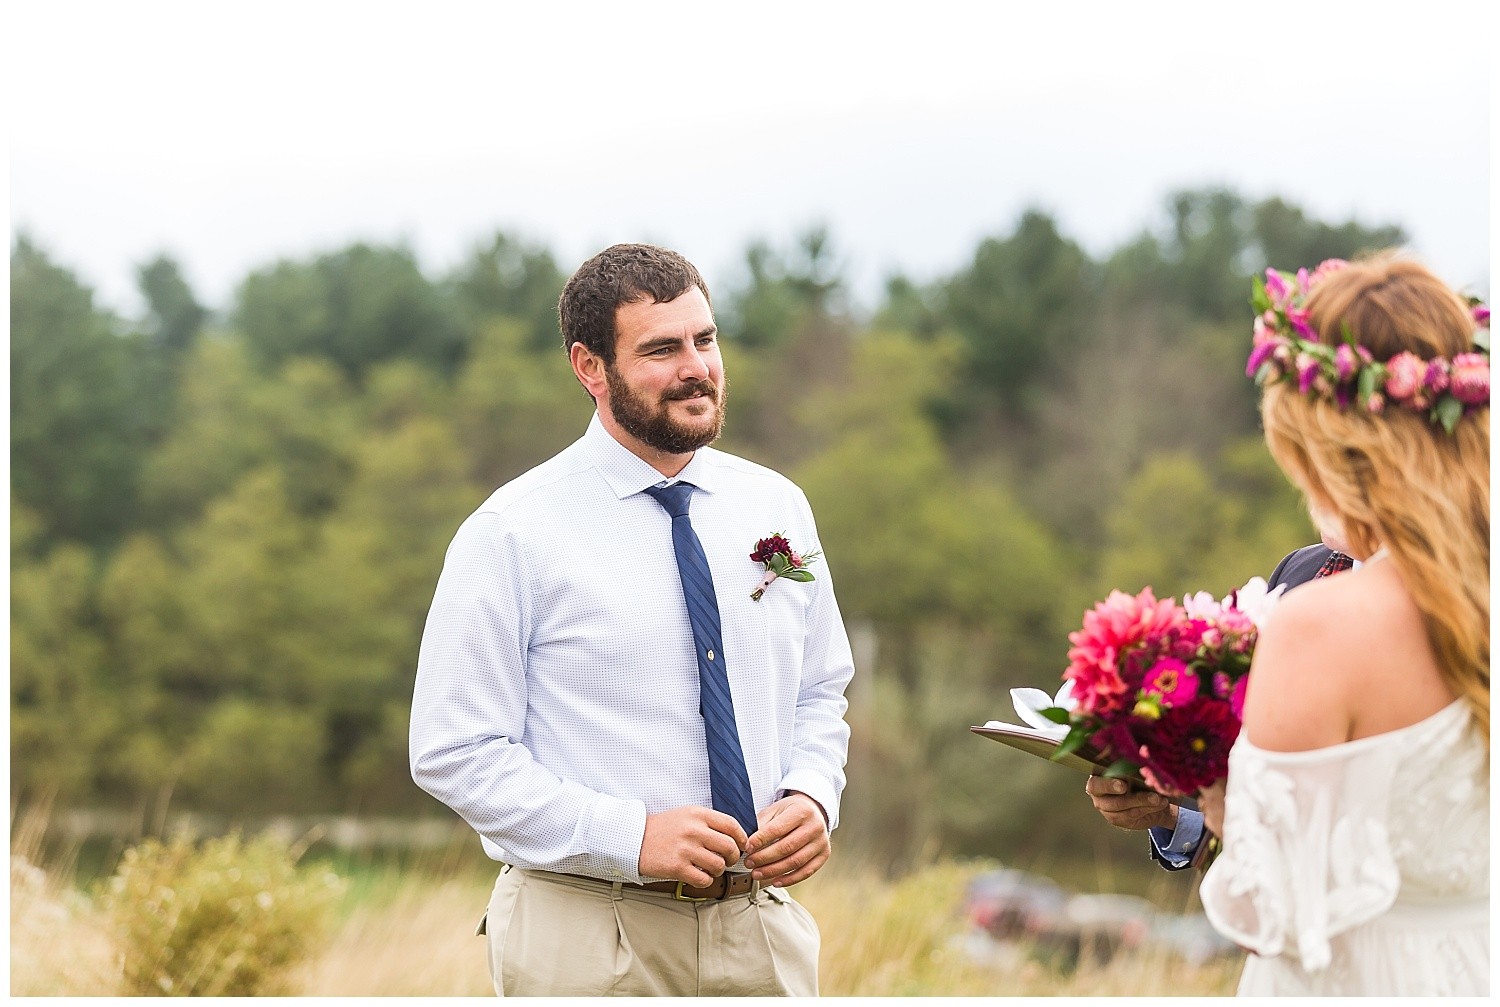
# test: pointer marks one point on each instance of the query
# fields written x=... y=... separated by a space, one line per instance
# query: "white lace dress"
x=1359 y=869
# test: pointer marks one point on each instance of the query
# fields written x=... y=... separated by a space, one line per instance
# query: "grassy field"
x=410 y=932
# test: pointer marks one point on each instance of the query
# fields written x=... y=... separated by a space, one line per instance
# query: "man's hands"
x=690 y=844
x=695 y=845
x=1127 y=807
x=791 y=843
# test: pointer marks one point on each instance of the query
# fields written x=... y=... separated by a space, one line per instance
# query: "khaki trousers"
x=551 y=935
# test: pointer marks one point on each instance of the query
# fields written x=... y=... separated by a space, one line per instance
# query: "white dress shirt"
x=556 y=700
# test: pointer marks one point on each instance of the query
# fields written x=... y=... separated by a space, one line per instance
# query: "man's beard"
x=651 y=423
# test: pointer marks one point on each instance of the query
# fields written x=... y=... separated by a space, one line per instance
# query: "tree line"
x=226 y=523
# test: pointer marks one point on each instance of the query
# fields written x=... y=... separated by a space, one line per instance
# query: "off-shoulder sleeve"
x=1307 y=853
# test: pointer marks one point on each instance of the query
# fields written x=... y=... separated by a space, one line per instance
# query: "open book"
x=1041 y=737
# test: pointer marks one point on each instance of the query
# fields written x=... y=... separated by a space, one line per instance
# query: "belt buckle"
x=692 y=898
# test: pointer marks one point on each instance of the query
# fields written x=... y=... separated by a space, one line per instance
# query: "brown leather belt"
x=725 y=886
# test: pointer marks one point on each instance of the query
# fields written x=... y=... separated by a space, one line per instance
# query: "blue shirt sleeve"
x=1177 y=845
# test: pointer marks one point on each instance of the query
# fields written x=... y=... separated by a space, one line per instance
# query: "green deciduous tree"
x=514 y=406
x=355 y=307
x=81 y=416
x=1022 y=304
x=509 y=278
x=175 y=317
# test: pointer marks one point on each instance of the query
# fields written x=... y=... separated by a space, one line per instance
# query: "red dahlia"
x=768 y=547
x=1189 y=746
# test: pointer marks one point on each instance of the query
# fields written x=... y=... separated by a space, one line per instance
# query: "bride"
x=1356 y=819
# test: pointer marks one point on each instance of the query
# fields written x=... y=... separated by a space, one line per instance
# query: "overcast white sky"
x=231 y=134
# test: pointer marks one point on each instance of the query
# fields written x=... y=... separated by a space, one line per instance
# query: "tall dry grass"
x=413 y=935
x=58 y=943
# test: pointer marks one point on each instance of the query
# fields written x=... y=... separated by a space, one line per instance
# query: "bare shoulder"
x=1344 y=648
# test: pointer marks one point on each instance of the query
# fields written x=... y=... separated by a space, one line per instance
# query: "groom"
x=1177 y=833
x=652 y=752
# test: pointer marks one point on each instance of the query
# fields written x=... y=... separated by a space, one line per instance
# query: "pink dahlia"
x=1111 y=631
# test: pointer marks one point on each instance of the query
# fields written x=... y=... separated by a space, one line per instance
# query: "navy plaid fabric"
x=1336 y=562
x=728 y=780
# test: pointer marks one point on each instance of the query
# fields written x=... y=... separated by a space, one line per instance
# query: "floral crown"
x=1287 y=349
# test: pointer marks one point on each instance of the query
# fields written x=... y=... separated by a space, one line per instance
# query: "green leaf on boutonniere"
x=798 y=575
x=780 y=564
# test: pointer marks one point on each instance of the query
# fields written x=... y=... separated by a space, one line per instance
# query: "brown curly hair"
x=621 y=274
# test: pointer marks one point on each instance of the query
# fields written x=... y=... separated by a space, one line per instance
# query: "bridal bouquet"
x=1159 y=687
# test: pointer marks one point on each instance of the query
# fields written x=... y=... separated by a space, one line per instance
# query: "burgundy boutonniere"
x=781 y=560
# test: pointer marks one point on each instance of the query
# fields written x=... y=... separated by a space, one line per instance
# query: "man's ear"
x=588 y=368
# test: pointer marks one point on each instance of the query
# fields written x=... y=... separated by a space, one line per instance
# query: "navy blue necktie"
x=727 y=778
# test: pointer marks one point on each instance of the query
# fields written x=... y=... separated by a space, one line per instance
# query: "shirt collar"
x=627 y=473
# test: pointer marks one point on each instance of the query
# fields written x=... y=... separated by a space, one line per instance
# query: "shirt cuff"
x=615 y=832
x=1177 y=846
x=818 y=789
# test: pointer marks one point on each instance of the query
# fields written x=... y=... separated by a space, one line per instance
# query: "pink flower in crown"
x=1298 y=318
x=1404 y=374
x=1346 y=360
x=1276 y=287
x=1481 y=314
x=1267 y=347
x=1302 y=280
x=1471 y=379
x=1436 y=378
x=1307 y=371
x=1375 y=404
x=1171 y=682
x=1326 y=267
